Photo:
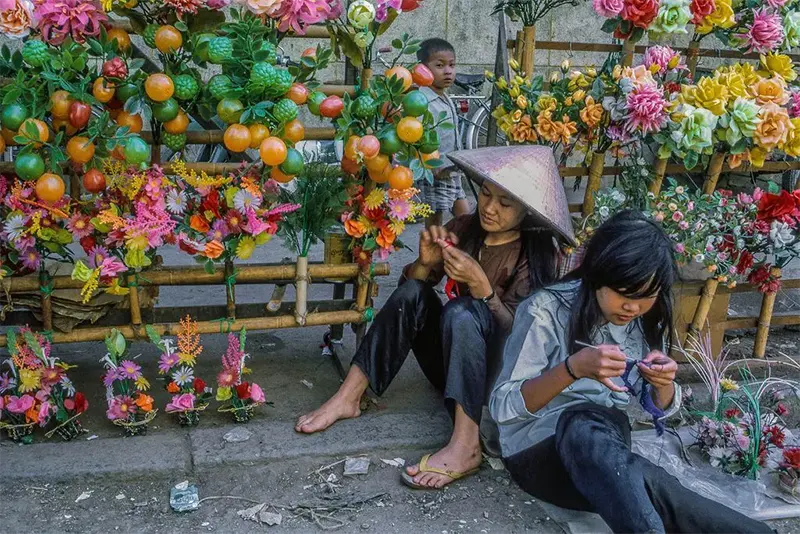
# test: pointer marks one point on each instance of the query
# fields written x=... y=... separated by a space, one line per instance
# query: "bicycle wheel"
x=478 y=130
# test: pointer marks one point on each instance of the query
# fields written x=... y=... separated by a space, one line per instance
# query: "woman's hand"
x=602 y=364
x=430 y=251
x=658 y=369
x=463 y=268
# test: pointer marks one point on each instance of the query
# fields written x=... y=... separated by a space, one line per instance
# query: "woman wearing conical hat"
x=492 y=260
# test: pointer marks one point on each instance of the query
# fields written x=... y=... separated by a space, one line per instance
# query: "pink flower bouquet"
x=129 y=406
x=242 y=397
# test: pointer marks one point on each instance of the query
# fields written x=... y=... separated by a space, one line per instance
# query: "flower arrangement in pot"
x=190 y=396
x=129 y=406
x=241 y=397
x=788 y=470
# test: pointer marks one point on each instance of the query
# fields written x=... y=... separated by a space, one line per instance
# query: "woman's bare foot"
x=456 y=457
x=336 y=408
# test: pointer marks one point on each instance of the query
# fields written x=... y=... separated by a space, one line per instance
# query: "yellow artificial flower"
x=770 y=91
x=245 y=247
x=516 y=116
x=366 y=223
x=579 y=95
x=499 y=112
x=513 y=63
x=116 y=289
x=522 y=102
x=546 y=103
x=733 y=82
x=505 y=123
x=142 y=384
x=263 y=238
x=224 y=393
x=186 y=358
x=397 y=226
x=722 y=17
x=728 y=385
x=711 y=95
x=758 y=156
x=136 y=242
x=792 y=145
x=501 y=84
x=29 y=380
x=747 y=71
x=374 y=199
x=514 y=92
x=779 y=64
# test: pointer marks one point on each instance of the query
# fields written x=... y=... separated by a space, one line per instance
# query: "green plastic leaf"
x=152 y=335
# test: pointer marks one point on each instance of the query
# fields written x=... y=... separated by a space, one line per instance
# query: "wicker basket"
x=68 y=430
x=20 y=433
x=788 y=483
x=190 y=417
x=137 y=427
x=241 y=414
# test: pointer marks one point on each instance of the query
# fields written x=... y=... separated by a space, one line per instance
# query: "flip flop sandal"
x=408 y=480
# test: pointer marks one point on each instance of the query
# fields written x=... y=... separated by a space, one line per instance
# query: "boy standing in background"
x=446 y=194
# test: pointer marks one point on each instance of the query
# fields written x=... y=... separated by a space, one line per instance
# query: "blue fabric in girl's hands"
x=645 y=396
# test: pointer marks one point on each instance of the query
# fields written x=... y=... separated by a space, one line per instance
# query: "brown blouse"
x=505 y=267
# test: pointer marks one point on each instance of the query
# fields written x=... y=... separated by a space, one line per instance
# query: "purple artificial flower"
x=109 y=378
x=167 y=362
x=217 y=4
x=129 y=369
x=97 y=255
x=219 y=230
x=31 y=259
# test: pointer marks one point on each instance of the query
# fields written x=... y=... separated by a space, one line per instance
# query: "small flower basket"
x=789 y=471
x=137 y=424
x=190 y=417
x=68 y=430
x=22 y=433
x=244 y=397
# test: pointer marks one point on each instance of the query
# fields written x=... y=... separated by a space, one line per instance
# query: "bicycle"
x=474 y=112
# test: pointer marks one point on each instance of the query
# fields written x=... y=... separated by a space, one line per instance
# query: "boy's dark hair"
x=428 y=47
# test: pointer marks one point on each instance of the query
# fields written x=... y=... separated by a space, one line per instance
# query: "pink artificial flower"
x=661 y=56
x=399 y=209
x=647 y=110
x=109 y=377
x=111 y=267
x=120 y=407
x=16 y=18
x=52 y=375
x=680 y=248
x=775 y=4
x=2 y=405
x=765 y=34
x=219 y=230
x=608 y=8
x=227 y=378
x=181 y=403
x=382 y=9
x=254 y=225
x=794 y=105
x=44 y=413
x=79 y=19
x=295 y=15
x=677 y=216
x=336 y=9
x=270 y=8
x=79 y=225
x=256 y=393
x=183 y=7
x=20 y=404
x=217 y=4
x=130 y=370
x=381 y=254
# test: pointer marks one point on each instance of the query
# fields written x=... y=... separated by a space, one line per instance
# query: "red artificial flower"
x=796 y=195
x=732 y=413
x=745 y=262
x=409 y=5
x=88 y=243
x=672 y=87
x=791 y=458
x=774 y=207
x=186 y=247
x=774 y=435
x=781 y=409
x=211 y=203
x=622 y=35
x=172 y=387
x=243 y=391
x=362 y=257
x=81 y=404
x=640 y=13
x=701 y=9
x=199 y=385
x=375 y=214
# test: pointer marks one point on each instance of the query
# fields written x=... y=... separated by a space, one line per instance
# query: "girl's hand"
x=430 y=251
x=658 y=369
x=602 y=364
x=462 y=267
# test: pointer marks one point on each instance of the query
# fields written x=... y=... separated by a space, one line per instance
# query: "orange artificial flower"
x=546 y=128
x=566 y=129
x=592 y=114
x=354 y=228
x=736 y=160
x=523 y=131
x=386 y=237
x=199 y=224
x=770 y=90
x=32 y=415
x=213 y=250
x=145 y=402
x=172 y=387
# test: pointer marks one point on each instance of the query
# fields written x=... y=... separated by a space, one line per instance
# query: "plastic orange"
x=133 y=122
x=7 y=135
x=258 y=132
x=294 y=131
x=94 y=181
x=426 y=157
x=422 y=75
x=378 y=163
x=351 y=147
x=280 y=176
x=178 y=125
x=60 y=101
x=237 y=138
x=369 y=146
x=350 y=166
x=401 y=178
x=118 y=153
x=380 y=176
x=49 y=188
x=168 y=39
x=298 y=93
x=2 y=145
x=43 y=133
x=159 y=87
x=409 y=130
x=64 y=124
x=401 y=73
x=309 y=52
x=122 y=37
x=273 y=151
x=80 y=149
x=102 y=90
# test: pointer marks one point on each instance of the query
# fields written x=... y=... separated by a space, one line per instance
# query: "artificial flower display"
x=240 y=396
x=129 y=405
x=177 y=363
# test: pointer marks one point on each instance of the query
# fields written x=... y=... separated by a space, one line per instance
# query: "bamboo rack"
x=594 y=182
x=765 y=318
x=528 y=50
x=659 y=170
x=703 y=307
x=714 y=171
x=213 y=137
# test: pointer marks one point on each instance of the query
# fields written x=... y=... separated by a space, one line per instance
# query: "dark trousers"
x=456 y=344
x=588 y=465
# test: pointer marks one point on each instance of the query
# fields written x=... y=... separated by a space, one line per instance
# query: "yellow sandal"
x=408 y=480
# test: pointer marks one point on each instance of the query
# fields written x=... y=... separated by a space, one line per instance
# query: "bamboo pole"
x=765 y=318
x=98 y=333
x=366 y=76
x=133 y=297
x=230 y=287
x=301 y=281
x=714 y=170
x=192 y=276
x=703 y=307
x=659 y=170
x=336 y=90
x=628 y=49
x=594 y=181
x=46 y=301
x=692 y=56
x=528 y=50
x=518 y=47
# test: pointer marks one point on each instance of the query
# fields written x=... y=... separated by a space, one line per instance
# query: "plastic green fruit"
x=219 y=86
x=186 y=87
x=126 y=91
x=149 y=35
x=293 y=164
x=390 y=143
x=364 y=107
x=229 y=110
x=285 y=110
x=415 y=104
x=35 y=53
x=281 y=83
x=174 y=142
x=166 y=111
x=136 y=151
x=262 y=76
x=13 y=116
x=29 y=166
x=201 y=52
x=314 y=101
x=271 y=50
x=220 y=50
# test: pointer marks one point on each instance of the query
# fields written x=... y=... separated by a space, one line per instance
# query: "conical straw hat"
x=527 y=172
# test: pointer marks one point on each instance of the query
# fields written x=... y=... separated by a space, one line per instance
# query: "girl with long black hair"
x=579 y=353
x=493 y=259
